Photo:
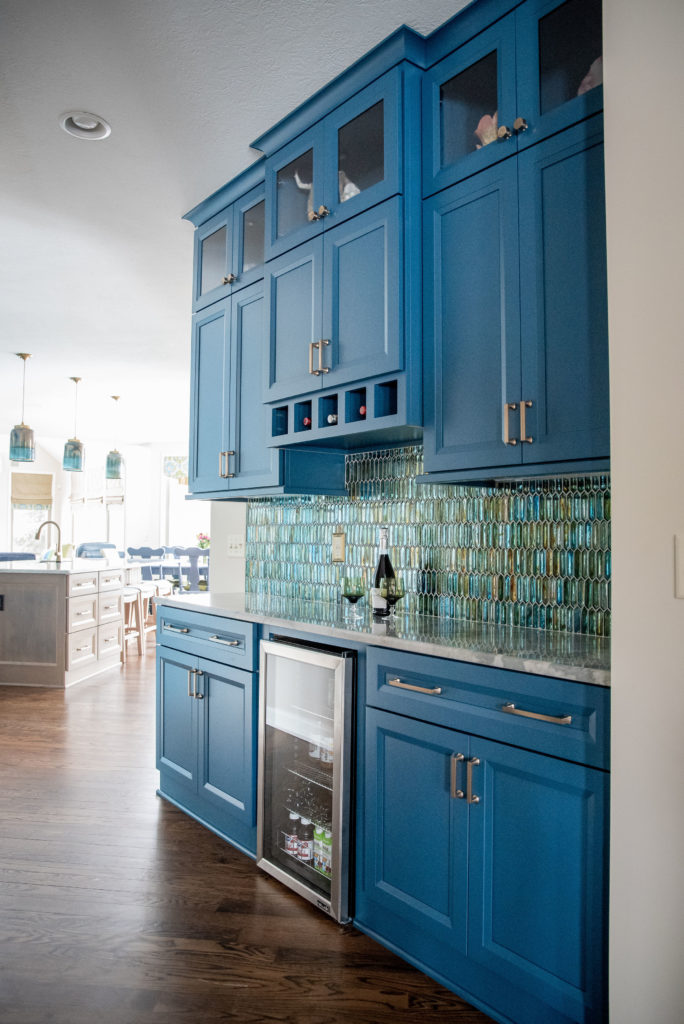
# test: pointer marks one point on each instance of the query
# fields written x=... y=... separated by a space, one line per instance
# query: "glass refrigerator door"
x=302 y=828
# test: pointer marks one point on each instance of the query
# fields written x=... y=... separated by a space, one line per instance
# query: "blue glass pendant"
x=114 y=465
x=22 y=444
x=74 y=456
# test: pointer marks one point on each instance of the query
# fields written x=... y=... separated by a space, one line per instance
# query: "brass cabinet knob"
x=230 y=279
x=312 y=216
x=520 y=125
x=504 y=132
x=323 y=211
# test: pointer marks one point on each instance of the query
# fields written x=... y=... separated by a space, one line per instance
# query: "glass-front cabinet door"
x=560 y=65
x=469 y=108
x=535 y=72
x=229 y=250
x=344 y=164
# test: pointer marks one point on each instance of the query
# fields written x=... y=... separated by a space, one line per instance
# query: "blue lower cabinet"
x=485 y=866
x=206 y=743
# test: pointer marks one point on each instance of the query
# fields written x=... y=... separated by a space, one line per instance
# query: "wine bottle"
x=384 y=570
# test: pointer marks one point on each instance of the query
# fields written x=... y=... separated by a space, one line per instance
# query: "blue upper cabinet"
x=532 y=73
x=346 y=163
x=229 y=250
x=334 y=313
x=515 y=313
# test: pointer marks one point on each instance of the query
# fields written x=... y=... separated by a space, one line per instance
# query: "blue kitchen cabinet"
x=343 y=347
x=345 y=163
x=535 y=71
x=515 y=328
x=334 y=309
x=229 y=249
x=485 y=865
x=228 y=427
x=206 y=742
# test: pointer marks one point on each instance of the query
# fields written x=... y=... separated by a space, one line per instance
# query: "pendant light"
x=114 y=458
x=74 y=452
x=22 y=442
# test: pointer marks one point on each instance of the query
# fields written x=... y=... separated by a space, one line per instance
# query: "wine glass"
x=392 y=590
x=353 y=588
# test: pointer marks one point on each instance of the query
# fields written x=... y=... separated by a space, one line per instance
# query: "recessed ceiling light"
x=83 y=125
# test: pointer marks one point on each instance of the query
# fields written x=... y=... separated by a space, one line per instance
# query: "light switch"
x=235 y=545
x=338 y=539
x=679 y=564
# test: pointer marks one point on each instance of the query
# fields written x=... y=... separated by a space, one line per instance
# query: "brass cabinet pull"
x=470 y=796
x=410 y=686
x=228 y=454
x=312 y=346
x=321 y=367
x=197 y=695
x=520 y=125
x=228 y=643
x=318 y=214
x=503 y=132
x=457 y=794
x=221 y=472
x=190 y=682
x=230 y=279
x=508 y=408
x=524 y=439
x=511 y=709
x=176 y=629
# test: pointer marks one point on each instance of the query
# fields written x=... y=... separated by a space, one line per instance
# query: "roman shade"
x=32 y=488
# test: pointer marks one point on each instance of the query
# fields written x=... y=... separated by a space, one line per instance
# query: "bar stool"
x=133 y=621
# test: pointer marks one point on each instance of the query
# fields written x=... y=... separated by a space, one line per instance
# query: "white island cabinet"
x=59 y=623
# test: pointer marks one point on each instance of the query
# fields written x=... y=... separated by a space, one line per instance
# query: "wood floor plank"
x=116 y=908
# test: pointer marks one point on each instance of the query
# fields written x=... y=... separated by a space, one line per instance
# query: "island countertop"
x=65 y=567
x=570 y=656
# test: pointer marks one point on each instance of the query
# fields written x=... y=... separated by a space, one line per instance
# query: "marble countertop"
x=570 y=656
x=66 y=566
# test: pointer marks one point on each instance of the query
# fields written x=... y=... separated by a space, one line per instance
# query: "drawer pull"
x=457 y=794
x=228 y=643
x=176 y=629
x=90 y=583
x=511 y=709
x=85 y=648
x=471 y=798
x=87 y=612
x=418 y=689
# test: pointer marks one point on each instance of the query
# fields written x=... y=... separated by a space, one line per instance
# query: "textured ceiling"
x=96 y=261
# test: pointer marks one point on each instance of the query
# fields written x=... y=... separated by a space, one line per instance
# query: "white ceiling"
x=95 y=269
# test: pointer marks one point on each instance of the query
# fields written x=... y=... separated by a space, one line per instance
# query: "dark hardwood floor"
x=116 y=908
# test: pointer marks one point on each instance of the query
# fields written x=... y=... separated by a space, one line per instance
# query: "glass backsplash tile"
x=528 y=553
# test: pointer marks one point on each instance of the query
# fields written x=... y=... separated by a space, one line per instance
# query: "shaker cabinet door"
x=177 y=718
x=538 y=873
x=209 y=397
x=563 y=294
x=472 y=322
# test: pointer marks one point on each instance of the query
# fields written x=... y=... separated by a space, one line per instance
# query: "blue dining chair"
x=192 y=571
x=153 y=556
x=16 y=556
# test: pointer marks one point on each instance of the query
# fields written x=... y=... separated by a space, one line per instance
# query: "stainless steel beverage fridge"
x=304 y=760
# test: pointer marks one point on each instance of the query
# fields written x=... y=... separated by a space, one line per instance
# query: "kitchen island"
x=60 y=622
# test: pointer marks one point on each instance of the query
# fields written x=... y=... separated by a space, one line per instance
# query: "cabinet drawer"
x=109 y=639
x=82 y=583
x=110 y=607
x=553 y=716
x=81 y=647
x=227 y=641
x=111 y=579
x=81 y=612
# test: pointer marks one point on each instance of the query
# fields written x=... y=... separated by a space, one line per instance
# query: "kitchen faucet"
x=51 y=522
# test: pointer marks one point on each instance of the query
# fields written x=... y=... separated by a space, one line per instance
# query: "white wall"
x=227 y=571
x=644 y=87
